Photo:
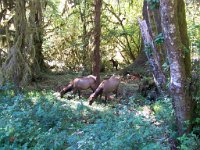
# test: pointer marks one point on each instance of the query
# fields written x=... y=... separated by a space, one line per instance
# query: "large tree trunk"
x=96 y=44
x=179 y=87
x=155 y=58
x=25 y=58
x=36 y=36
x=17 y=68
x=154 y=26
x=184 y=36
x=149 y=30
x=150 y=50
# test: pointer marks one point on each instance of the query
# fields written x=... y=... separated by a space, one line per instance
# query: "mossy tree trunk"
x=149 y=31
x=154 y=26
x=17 y=67
x=184 y=36
x=25 y=59
x=36 y=36
x=6 y=32
x=179 y=87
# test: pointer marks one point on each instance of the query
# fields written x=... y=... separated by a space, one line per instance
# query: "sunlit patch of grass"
x=157 y=108
x=76 y=102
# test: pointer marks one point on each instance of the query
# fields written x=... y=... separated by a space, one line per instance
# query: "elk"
x=114 y=63
x=79 y=84
x=106 y=87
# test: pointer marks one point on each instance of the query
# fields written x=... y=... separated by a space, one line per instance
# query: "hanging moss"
x=16 y=67
x=25 y=59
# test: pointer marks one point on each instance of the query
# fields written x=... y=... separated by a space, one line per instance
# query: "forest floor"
x=43 y=120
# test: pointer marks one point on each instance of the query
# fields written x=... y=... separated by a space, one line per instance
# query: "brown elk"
x=106 y=87
x=79 y=84
x=114 y=63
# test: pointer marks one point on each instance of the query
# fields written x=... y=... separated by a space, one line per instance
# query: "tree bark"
x=16 y=67
x=25 y=59
x=179 y=88
x=184 y=36
x=150 y=51
x=154 y=29
x=152 y=17
x=36 y=36
x=96 y=44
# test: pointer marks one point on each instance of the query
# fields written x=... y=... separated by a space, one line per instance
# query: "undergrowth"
x=40 y=120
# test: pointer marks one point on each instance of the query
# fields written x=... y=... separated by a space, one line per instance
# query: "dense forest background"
x=45 y=44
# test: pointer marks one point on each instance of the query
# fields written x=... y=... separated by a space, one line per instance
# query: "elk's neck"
x=98 y=91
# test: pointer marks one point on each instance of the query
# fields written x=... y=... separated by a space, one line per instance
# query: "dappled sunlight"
x=148 y=115
x=74 y=121
x=146 y=112
x=76 y=102
x=121 y=119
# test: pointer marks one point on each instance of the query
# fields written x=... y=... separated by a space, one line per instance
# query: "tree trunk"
x=179 y=87
x=96 y=44
x=36 y=36
x=152 y=17
x=154 y=26
x=1 y=58
x=150 y=51
x=184 y=36
x=25 y=59
x=16 y=67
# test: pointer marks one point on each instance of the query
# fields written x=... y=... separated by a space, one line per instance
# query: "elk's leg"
x=62 y=93
x=93 y=88
x=79 y=94
x=105 y=101
x=100 y=96
x=74 y=91
x=116 y=93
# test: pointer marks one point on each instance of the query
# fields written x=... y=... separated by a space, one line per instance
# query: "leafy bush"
x=123 y=127
x=36 y=120
x=190 y=141
x=39 y=120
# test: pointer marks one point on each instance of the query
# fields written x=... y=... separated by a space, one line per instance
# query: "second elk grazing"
x=79 y=84
x=106 y=87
